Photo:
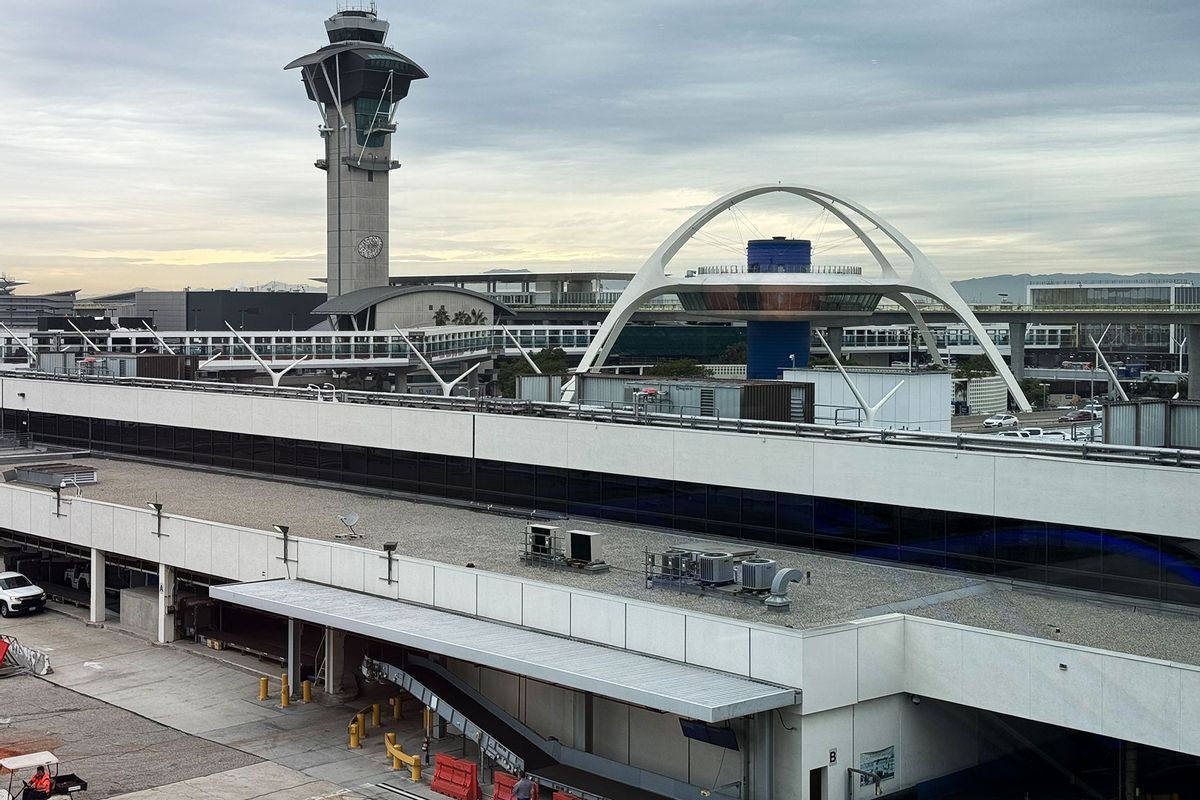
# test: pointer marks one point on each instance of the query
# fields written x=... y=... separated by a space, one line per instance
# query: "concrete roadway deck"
x=203 y=694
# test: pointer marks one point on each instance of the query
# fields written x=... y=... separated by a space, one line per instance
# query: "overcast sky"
x=162 y=144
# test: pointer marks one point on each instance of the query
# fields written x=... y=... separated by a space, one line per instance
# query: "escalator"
x=505 y=740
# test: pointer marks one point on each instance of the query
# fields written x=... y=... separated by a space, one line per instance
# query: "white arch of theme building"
x=897 y=284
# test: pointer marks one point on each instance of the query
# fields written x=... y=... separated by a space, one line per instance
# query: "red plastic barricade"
x=3 y=651
x=502 y=786
x=455 y=777
x=564 y=796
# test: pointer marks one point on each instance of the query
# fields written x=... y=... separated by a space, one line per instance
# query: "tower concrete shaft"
x=358 y=83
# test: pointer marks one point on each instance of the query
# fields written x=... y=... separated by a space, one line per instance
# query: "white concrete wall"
x=922 y=403
x=1120 y=496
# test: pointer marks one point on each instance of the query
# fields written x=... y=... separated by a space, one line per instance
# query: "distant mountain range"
x=989 y=289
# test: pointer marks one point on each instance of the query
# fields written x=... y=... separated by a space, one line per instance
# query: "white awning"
x=29 y=760
x=683 y=689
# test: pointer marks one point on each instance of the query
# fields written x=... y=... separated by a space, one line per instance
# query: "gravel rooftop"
x=842 y=588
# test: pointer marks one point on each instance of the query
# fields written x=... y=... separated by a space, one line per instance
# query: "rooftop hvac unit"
x=584 y=546
x=541 y=539
x=716 y=569
x=757 y=574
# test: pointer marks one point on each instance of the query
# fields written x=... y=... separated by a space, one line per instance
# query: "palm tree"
x=477 y=317
x=441 y=316
x=461 y=318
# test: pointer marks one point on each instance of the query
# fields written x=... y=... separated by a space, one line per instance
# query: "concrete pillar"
x=1193 y=361
x=834 y=337
x=1016 y=349
x=761 y=758
x=294 y=629
x=166 y=604
x=335 y=659
x=96 y=585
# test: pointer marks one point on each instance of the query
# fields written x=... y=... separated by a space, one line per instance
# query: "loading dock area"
x=572 y=672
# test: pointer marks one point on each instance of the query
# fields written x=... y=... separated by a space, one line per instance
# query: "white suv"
x=18 y=594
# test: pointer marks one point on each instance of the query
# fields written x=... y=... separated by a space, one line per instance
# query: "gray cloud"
x=1001 y=136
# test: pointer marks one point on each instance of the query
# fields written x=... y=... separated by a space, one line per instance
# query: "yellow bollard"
x=264 y=690
x=306 y=691
x=284 y=695
x=361 y=719
x=353 y=729
x=375 y=720
x=395 y=701
x=390 y=736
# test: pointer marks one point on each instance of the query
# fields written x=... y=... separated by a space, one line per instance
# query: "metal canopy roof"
x=689 y=691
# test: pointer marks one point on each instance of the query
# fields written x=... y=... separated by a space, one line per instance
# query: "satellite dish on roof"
x=349 y=519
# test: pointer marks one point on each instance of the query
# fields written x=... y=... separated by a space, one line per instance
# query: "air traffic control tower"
x=358 y=84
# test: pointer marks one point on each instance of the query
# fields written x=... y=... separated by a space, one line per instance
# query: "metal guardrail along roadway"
x=1085 y=451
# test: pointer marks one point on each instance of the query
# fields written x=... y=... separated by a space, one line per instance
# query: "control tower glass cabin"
x=358 y=83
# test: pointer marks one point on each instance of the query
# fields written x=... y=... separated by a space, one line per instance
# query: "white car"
x=18 y=594
x=1000 y=421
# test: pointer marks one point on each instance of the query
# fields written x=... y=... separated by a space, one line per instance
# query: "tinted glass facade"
x=1117 y=562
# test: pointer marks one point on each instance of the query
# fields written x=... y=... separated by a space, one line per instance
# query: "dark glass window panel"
x=1131 y=587
x=458 y=477
x=794 y=514
x=1131 y=555
x=406 y=471
x=586 y=491
x=264 y=453
x=81 y=430
x=1079 y=549
x=724 y=505
x=552 y=488
x=924 y=528
x=876 y=523
x=832 y=544
x=307 y=460
x=146 y=437
x=129 y=436
x=433 y=473
x=758 y=509
x=354 y=465
x=241 y=448
x=691 y=500
x=926 y=558
x=222 y=449
x=489 y=476
x=620 y=497
x=1089 y=581
x=1020 y=572
x=1020 y=540
x=164 y=439
x=285 y=456
x=520 y=482
x=1173 y=593
x=329 y=467
x=979 y=566
x=185 y=443
x=833 y=517
x=655 y=502
x=202 y=446
x=969 y=534
x=761 y=535
x=875 y=550
x=1180 y=560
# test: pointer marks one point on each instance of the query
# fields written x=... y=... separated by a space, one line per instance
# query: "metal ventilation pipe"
x=778 y=600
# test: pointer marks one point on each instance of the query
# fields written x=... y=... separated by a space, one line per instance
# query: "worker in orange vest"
x=40 y=786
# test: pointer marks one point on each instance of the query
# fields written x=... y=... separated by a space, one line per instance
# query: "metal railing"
x=743 y=269
x=618 y=414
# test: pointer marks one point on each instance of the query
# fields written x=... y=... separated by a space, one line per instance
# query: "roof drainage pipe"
x=778 y=600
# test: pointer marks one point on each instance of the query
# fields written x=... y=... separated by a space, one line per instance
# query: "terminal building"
x=629 y=603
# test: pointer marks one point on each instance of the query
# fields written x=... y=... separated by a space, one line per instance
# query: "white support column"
x=335 y=659
x=96 y=587
x=166 y=604
x=762 y=756
x=294 y=628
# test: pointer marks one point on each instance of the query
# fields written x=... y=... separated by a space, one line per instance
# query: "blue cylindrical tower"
x=770 y=345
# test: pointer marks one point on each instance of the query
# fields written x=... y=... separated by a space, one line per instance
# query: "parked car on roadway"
x=18 y=594
x=1000 y=421
x=1079 y=415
